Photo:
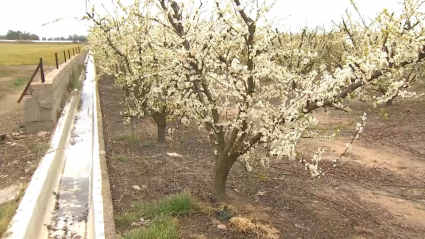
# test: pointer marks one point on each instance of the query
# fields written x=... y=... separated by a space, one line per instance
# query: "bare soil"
x=377 y=191
x=19 y=153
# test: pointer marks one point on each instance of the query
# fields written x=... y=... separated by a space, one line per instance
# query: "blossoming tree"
x=121 y=47
x=254 y=88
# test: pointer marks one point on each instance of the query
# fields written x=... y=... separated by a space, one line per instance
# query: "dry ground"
x=19 y=154
x=377 y=192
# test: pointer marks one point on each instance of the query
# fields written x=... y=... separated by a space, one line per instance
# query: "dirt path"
x=9 y=91
x=405 y=203
x=8 y=103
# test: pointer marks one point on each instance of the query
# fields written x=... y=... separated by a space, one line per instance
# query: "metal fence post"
x=56 y=57
x=29 y=83
x=42 y=71
x=64 y=56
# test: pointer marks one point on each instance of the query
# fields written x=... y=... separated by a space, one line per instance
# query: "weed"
x=127 y=138
x=262 y=175
x=39 y=149
x=7 y=211
x=120 y=158
x=173 y=205
x=149 y=144
x=74 y=81
x=160 y=228
x=80 y=103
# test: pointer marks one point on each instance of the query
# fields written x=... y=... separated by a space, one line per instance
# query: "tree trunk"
x=161 y=132
x=161 y=124
x=223 y=164
x=389 y=102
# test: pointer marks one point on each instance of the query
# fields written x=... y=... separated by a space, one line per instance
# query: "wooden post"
x=69 y=55
x=73 y=52
x=42 y=71
x=56 y=57
x=64 y=56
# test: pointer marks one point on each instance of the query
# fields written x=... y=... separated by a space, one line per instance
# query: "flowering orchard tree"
x=254 y=88
x=122 y=47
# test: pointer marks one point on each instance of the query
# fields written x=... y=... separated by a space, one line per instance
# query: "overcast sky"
x=29 y=15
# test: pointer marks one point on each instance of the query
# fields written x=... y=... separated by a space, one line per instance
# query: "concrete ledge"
x=108 y=210
x=38 y=201
x=101 y=222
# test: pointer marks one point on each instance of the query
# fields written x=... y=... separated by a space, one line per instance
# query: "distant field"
x=14 y=54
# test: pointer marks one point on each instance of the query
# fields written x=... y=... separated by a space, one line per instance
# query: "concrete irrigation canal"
x=65 y=197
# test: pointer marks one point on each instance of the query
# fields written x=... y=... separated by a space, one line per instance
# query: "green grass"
x=170 y=206
x=14 y=54
x=74 y=81
x=7 y=211
x=20 y=81
x=127 y=138
x=163 y=228
x=173 y=205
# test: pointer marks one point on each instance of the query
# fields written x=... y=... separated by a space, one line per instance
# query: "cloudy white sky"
x=29 y=15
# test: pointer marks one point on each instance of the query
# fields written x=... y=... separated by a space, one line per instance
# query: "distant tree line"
x=18 y=35
x=75 y=37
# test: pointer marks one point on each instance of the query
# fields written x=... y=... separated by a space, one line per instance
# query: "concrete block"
x=31 y=103
x=34 y=92
x=35 y=127
x=31 y=115
x=49 y=89
x=46 y=115
x=45 y=102
x=41 y=89
x=55 y=82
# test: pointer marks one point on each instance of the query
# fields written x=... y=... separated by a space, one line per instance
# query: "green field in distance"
x=15 y=54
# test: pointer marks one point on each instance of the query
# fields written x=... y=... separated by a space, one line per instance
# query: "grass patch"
x=120 y=158
x=164 y=228
x=20 y=81
x=127 y=138
x=7 y=211
x=39 y=149
x=173 y=205
x=170 y=206
x=149 y=144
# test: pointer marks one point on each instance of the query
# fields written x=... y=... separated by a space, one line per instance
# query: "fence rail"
x=40 y=65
